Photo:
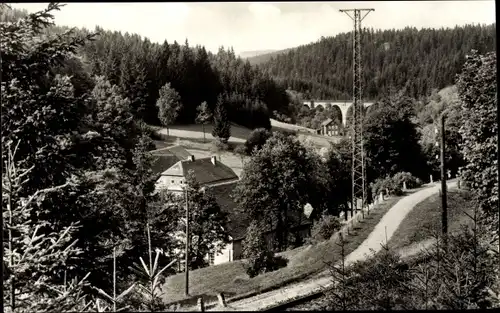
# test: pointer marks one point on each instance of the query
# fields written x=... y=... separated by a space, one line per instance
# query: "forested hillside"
x=262 y=58
x=140 y=68
x=423 y=59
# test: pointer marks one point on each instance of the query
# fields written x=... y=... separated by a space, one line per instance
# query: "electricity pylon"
x=358 y=157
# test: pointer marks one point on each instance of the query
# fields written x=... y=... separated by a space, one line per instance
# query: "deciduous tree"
x=204 y=116
x=207 y=223
x=275 y=184
x=169 y=105
x=479 y=126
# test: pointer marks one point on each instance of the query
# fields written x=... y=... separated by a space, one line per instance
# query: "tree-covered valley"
x=87 y=227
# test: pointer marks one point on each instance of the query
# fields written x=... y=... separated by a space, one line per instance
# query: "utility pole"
x=187 y=241
x=358 y=161
x=444 y=218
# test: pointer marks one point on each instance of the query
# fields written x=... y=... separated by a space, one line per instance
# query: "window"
x=172 y=181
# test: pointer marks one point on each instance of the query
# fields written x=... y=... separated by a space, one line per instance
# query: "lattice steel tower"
x=358 y=158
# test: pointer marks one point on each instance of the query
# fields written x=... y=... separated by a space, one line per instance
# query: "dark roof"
x=165 y=158
x=328 y=121
x=204 y=170
x=238 y=222
x=163 y=162
x=179 y=151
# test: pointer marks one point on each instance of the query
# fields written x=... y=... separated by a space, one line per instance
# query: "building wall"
x=170 y=182
x=330 y=130
x=226 y=255
x=234 y=250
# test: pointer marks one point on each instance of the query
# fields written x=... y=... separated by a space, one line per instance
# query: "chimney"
x=191 y=158
x=213 y=159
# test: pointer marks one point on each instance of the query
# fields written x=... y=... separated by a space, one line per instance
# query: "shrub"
x=256 y=139
x=411 y=181
x=394 y=184
x=261 y=259
x=324 y=228
x=149 y=131
x=219 y=146
x=386 y=184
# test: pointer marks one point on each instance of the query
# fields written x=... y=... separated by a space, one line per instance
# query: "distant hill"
x=251 y=54
x=265 y=57
x=420 y=59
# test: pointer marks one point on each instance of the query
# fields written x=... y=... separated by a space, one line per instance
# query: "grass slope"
x=239 y=134
x=419 y=226
x=425 y=219
x=304 y=262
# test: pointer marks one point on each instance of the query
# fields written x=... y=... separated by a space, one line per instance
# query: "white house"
x=207 y=171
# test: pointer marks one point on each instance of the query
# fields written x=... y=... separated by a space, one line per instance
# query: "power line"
x=358 y=159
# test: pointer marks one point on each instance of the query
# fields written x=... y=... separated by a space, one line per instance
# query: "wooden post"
x=443 y=181
x=201 y=304
x=187 y=245
x=222 y=300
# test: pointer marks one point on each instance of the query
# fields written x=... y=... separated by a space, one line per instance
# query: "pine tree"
x=222 y=126
x=36 y=261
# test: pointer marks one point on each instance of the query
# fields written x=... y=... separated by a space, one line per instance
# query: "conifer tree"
x=222 y=127
x=35 y=260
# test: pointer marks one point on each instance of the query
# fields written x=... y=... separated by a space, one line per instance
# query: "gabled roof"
x=179 y=151
x=204 y=170
x=238 y=222
x=326 y=122
x=163 y=162
x=165 y=158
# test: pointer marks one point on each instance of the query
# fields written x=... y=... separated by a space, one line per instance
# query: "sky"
x=250 y=26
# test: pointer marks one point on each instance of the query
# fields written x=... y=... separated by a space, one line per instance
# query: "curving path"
x=383 y=231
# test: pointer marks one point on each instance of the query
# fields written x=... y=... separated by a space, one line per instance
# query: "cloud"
x=264 y=11
x=259 y=25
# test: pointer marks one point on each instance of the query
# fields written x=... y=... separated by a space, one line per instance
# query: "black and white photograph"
x=249 y=156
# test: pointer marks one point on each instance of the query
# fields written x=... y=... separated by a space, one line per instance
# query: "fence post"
x=222 y=300
x=201 y=304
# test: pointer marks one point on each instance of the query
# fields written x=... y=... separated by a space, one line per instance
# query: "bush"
x=324 y=228
x=219 y=146
x=394 y=184
x=261 y=259
x=411 y=181
x=256 y=139
x=386 y=184
x=149 y=131
x=264 y=263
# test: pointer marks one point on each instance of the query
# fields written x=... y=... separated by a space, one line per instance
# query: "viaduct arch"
x=342 y=105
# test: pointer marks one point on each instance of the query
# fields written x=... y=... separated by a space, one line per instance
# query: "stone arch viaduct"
x=342 y=105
